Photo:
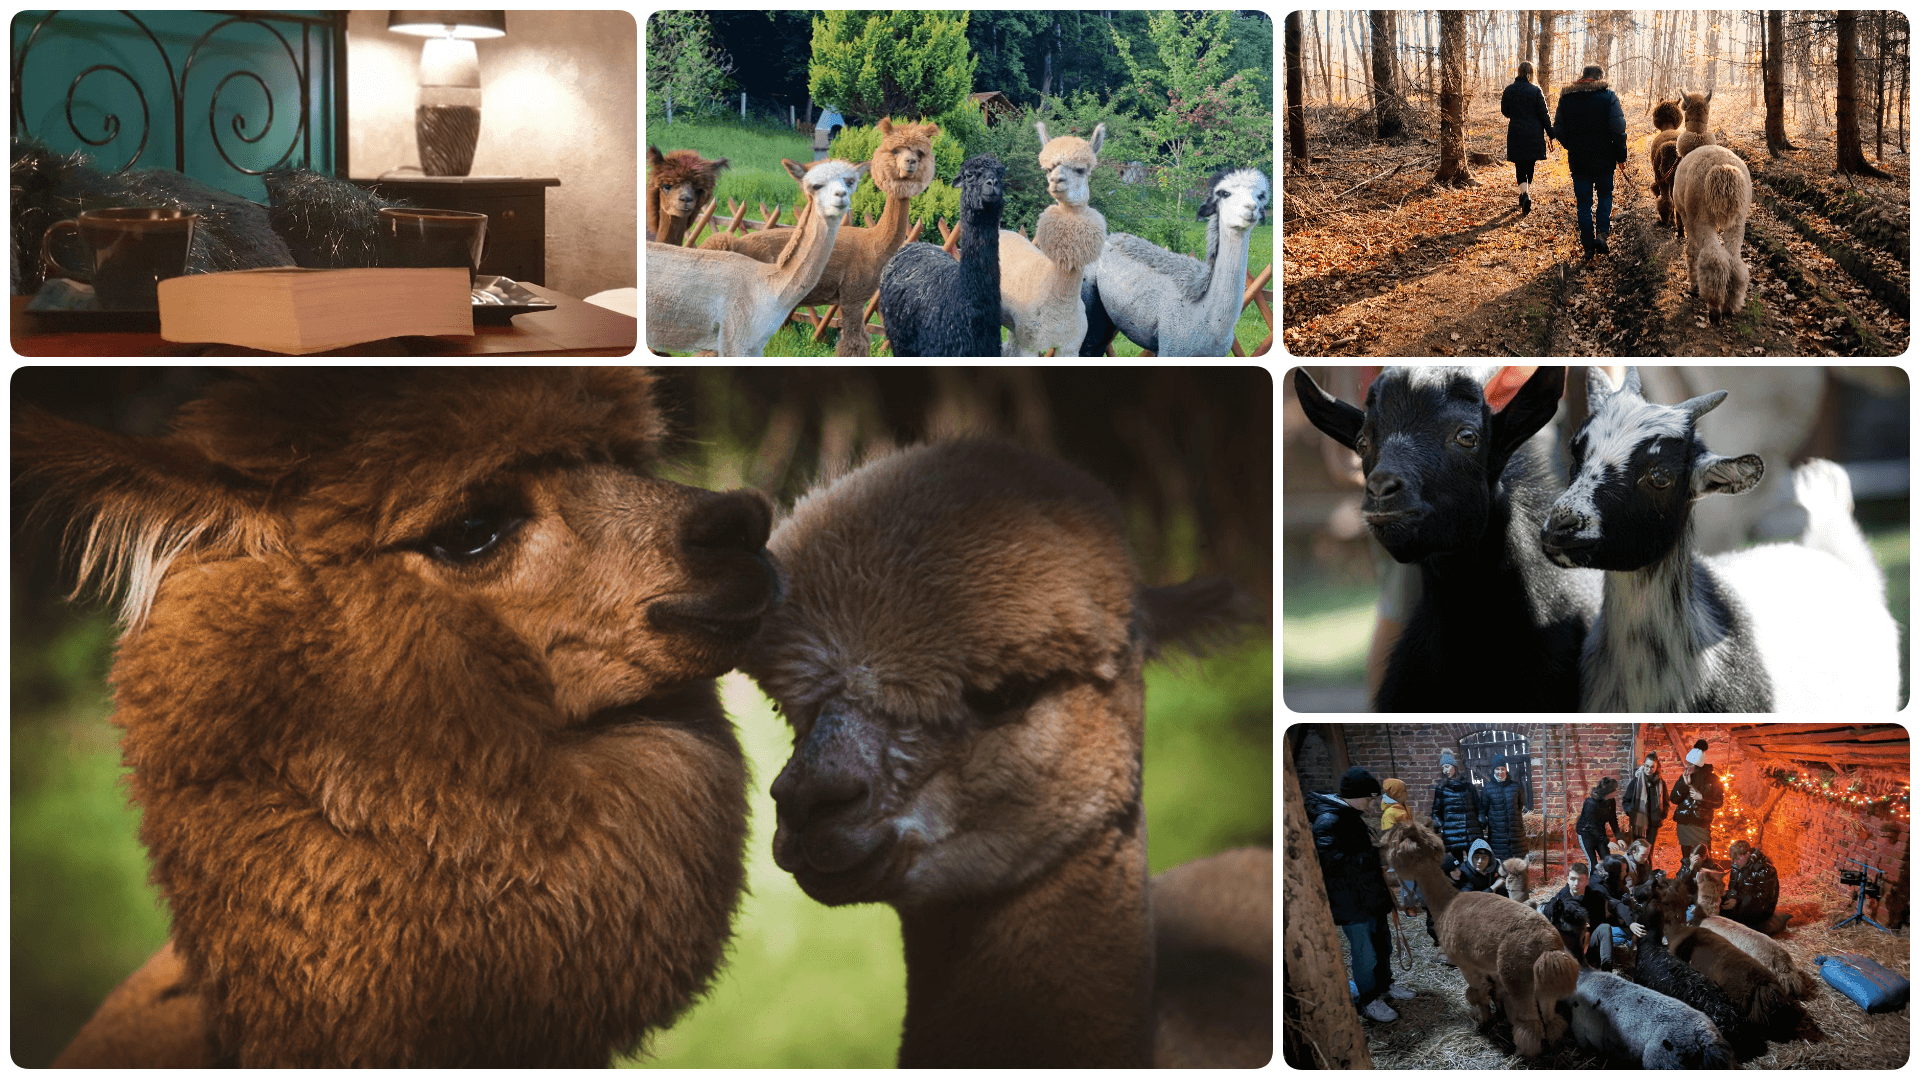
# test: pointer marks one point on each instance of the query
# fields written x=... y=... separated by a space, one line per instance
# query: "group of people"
x=1598 y=910
x=1589 y=123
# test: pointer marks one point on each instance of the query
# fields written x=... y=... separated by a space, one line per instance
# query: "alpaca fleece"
x=678 y=185
x=1656 y=968
x=1713 y=194
x=408 y=808
x=935 y=306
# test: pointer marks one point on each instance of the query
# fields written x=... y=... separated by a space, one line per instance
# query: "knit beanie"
x=1358 y=784
x=1446 y=758
x=1499 y=760
x=1699 y=752
x=1393 y=790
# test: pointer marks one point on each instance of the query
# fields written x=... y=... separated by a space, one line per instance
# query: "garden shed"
x=1826 y=805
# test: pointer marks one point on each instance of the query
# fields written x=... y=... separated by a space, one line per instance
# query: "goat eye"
x=1468 y=438
x=1659 y=477
x=1360 y=444
x=471 y=536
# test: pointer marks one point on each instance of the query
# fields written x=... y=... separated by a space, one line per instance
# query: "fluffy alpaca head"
x=420 y=715
x=680 y=183
x=1068 y=162
x=982 y=181
x=1411 y=845
x=1666 y=116
x=1236 y=199
x=1709 y=887
x=1694 y=108
x=1514 y=873
x=828 y=185
x=958 y=619
x=903 y=165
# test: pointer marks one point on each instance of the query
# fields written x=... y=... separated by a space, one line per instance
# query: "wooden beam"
x=1804 y=733
x=1864 y=752
x=1680 y=745
x=1336 y=736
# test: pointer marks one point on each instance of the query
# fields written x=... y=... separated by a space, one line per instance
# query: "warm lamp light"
x=447 y=118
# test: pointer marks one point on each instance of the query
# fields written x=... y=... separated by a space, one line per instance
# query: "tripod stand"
x=1862 y=889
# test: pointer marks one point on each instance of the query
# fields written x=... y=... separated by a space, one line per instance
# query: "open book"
x=289 y=309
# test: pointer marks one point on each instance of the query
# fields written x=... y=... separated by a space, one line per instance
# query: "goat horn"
x=1632 y=385
x=1702 y=405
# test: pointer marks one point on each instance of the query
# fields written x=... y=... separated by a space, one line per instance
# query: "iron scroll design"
x=325 y=72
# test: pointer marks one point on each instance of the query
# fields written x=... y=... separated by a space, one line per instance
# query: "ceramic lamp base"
x=447 y=135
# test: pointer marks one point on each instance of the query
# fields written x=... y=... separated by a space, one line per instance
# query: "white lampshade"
x=449 y=62
x=455 y=24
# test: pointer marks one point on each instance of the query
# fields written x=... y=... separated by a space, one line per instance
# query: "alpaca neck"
x=1439 y=892
x=890 y=232
x=1649 y=651
x=1227 y=277
x=979 y=250
x=1071 y=237
x=1057 y=974
x=798 y=268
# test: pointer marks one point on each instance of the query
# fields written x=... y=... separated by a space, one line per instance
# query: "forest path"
x=1457 y=272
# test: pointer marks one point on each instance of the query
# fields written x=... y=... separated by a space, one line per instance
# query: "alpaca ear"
x=1041 y=127
x=716 y=165
x=861 y=171
x=886 y=125
x=793 y=169
x=1099 y=136
x=135 y=504
x=930 y=130
x=654 y=157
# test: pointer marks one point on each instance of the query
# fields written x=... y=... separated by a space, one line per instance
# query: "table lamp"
x=447 y=120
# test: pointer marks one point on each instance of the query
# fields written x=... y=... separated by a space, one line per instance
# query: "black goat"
x=1656 y=968
x=1453 y=486
x=935 y=306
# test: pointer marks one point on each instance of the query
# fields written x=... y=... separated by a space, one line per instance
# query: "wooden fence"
x=819 y=319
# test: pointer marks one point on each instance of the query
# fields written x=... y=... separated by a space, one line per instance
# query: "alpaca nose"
x=736 y=522
x=826 y=778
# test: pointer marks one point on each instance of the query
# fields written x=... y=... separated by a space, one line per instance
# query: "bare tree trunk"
x=1880 y=85
x=1713 y=46
x=1453 y=130
x=1386 y=108
x=1546 y=58
x=1846 y=136
x=1326 y=57
x=1775 y=44
x=1322 y=1031
x=1296 y=93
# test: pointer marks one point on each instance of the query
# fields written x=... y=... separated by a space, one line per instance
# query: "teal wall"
x=243 y=70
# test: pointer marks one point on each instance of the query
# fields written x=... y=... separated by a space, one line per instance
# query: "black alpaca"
x=1656 y=968
x=1453 y=486
x=935 y=306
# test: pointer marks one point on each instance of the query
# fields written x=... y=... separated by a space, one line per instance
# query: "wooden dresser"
x=516 y=209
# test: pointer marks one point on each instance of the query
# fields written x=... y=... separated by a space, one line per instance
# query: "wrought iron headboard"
x=69 y=40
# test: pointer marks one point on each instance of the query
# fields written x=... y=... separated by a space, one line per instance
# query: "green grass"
x=803 y=986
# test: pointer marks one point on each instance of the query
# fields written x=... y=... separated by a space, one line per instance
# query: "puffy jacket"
x=1648 y=792
x=1349 y=863
x=1696 y=796
x=1528 y=125
x=1458 y=812
x=1597 y=815
x=1505 y=800
x=1755 y=889
x=1393 y=802
x=1472 y=879
x=1589 y=123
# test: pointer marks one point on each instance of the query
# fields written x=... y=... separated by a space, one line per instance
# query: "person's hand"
x=1637 y=930
x=1726 y=902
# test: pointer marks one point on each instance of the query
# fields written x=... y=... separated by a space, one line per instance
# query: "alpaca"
x=1713 y=193
x=1761 y=948
x=1634 y=1025
x=935 y=306
x=701 y=299
x=418 y=701
x=1496 y=943
x=959 y=652
x=1750 y=984
x=1040 y=279
x=1694 y=107
x=902 y=168
x=1513 y=881
x=1173 y=304
x=1656 y=968
x=1665 y=155
x=678 y=185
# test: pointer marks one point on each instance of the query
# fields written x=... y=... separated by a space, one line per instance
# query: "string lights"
x=1894 y=804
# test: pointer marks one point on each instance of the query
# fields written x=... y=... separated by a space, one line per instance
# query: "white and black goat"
x=1632 y=1024
x=1452 y=485
x=1799 y=627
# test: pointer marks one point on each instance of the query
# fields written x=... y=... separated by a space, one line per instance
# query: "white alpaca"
x=1712 y=194
x=725 y=301
x=1173 y=304
x=1040 y=279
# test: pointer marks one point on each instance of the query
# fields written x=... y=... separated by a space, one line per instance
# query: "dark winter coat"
x=1349 y=863
x=1592 y=909
x=1597 y=815
x=1471 y=879
x=1755 y=889
x=1589 y=123
x=1505 y=800
x=1645 y=792
x=1696 y=796
x=1459 y=812
x=1528 y=125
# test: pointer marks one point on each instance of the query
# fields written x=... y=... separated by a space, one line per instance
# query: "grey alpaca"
x=936 y=306
x=1174 y=304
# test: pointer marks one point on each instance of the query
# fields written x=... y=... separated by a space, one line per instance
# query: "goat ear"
x=1527 y=411
x=1714 y=475
x=133 y=504
x=1505 y=383
x=1340 y=421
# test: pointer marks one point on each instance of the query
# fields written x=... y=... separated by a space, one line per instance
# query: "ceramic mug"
x=134 y=249
x=422 y=237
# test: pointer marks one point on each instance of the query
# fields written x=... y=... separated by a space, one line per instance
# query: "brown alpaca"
x=1497 y=944
x=1665 y=157
x=959 y=652
x=418 y=700
x=1040 y=279
x=1754 y=989
x=902 y=169
x=1513 y=874
x=678 y=186
x=1694 y=107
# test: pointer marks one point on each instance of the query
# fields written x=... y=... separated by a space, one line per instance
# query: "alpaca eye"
x=1003 y=702
x=1468 y=438
x=471 y=536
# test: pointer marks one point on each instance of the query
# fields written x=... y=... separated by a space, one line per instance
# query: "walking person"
x=1529 y=130
x=1357 y=887
x=1696 y=795
x=1589 y=123
x=1644 y=801
x=1597 y=815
